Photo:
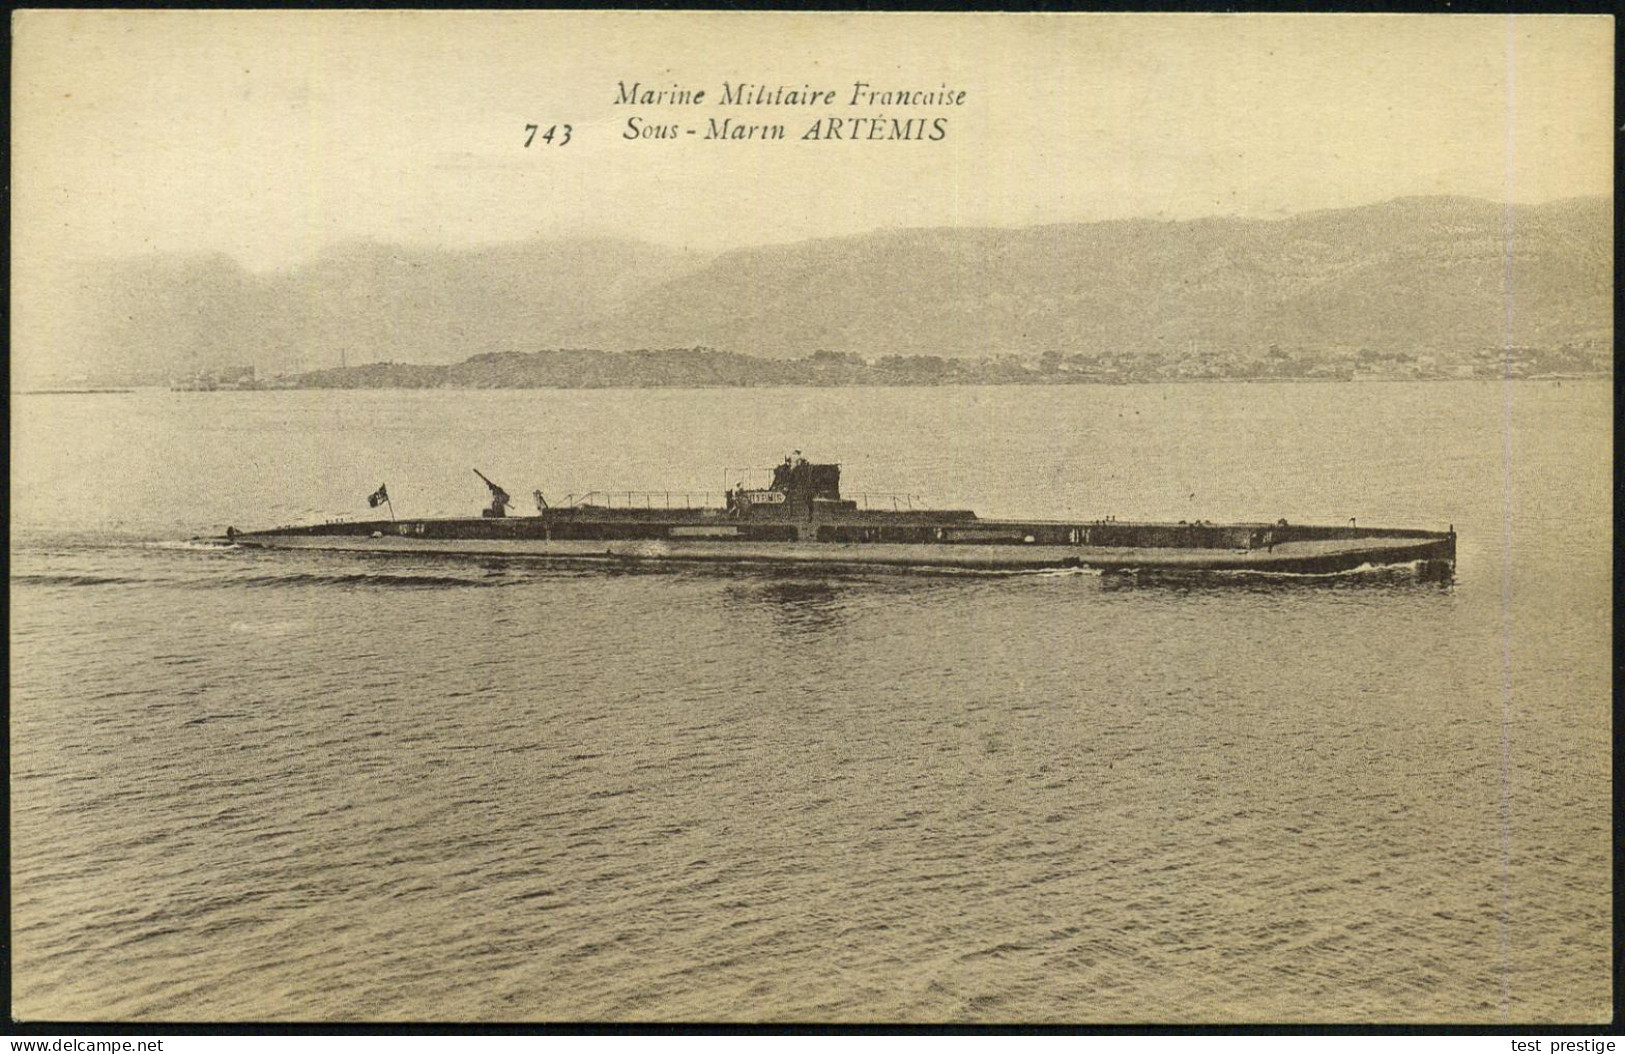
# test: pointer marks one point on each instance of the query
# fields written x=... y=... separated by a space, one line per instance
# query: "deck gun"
x=499 y=498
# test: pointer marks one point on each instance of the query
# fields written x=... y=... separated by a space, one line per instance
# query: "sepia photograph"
x=644 y=518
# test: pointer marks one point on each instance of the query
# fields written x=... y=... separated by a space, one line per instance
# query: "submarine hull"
x=802 y=519
x=1305 y=553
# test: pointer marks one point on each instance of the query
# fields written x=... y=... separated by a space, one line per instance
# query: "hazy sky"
x=270 y=135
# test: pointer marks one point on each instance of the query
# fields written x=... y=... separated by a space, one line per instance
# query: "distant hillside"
x=671 y=368
x=1420 y=272
x=1414 y=273
x=709 y=368
x=154 y=318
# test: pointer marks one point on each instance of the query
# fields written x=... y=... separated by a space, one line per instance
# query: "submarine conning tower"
x=800 y=490
x=800 y=478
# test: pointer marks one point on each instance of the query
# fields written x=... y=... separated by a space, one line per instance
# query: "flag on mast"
x=378 y=497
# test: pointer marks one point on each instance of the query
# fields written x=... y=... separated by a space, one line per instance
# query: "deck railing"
x=710 y=499
x=889 y=500
x=647 y=499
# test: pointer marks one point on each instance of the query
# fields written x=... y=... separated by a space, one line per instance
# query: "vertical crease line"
x=1506 y=562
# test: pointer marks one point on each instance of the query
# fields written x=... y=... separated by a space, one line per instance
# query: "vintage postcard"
x=529 y=517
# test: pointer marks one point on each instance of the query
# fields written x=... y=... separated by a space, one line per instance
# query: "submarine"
x=801 y=518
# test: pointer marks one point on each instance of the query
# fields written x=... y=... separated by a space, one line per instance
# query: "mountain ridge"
x=1418 y=272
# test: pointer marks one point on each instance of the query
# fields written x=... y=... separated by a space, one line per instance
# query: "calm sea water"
x=274 y=786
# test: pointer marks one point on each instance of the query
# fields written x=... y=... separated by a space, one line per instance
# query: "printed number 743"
x=561 y=130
